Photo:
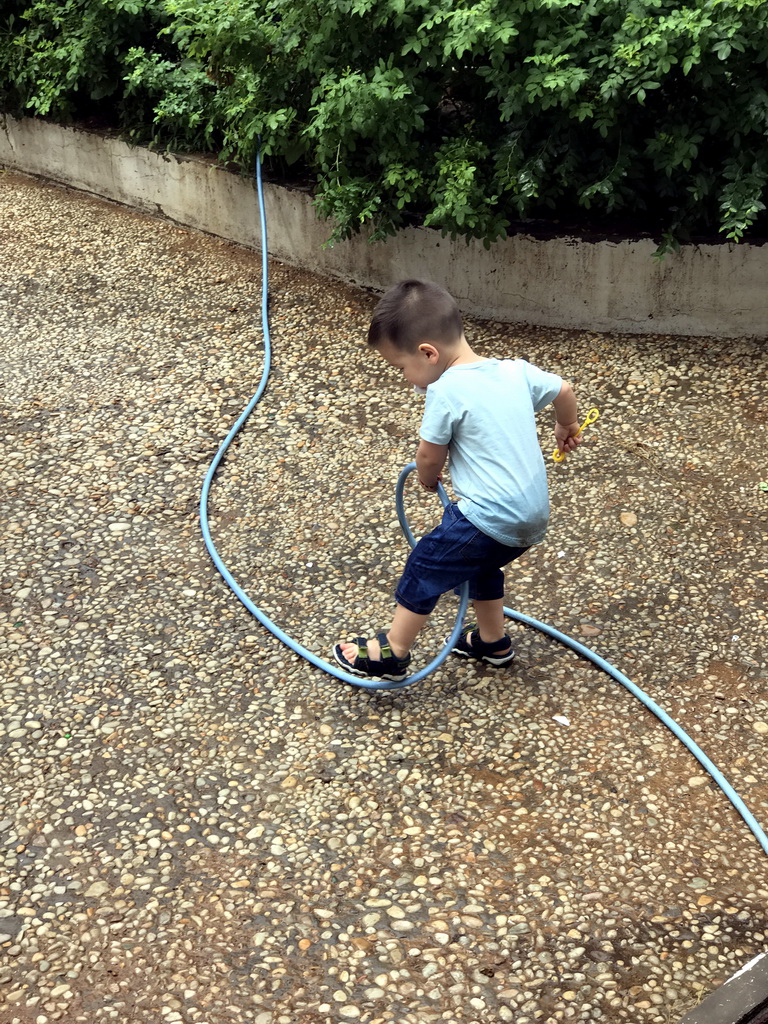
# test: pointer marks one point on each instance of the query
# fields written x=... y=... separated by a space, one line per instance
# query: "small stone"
x=586 y=629
x=395 y=911
x=761 y=728
x=628 y=519
x=97 y=888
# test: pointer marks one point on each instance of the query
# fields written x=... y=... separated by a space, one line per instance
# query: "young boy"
x=480 y=412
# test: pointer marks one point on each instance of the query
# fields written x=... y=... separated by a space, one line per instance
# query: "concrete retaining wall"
x=714 y=290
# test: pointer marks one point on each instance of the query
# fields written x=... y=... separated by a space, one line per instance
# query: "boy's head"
x=413 y=312
x=416 y=327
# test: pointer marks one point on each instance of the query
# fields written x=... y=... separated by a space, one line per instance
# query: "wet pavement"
x=201 y=827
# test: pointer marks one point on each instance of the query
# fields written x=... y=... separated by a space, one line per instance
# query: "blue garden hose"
x=379 y=684
x=326 y=666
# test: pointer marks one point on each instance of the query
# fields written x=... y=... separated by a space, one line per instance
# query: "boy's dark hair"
x=412 y=312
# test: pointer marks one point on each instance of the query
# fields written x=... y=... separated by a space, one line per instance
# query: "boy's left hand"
x=567 y=436
x=434 y=485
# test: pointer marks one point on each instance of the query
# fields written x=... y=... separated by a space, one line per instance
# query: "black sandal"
x=389 y=666
x=469 y=645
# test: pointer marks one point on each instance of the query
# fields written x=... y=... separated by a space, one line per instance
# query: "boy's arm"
x=567 y=426
x=430 y=459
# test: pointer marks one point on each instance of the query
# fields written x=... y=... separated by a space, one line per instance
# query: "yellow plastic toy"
x=592 y=415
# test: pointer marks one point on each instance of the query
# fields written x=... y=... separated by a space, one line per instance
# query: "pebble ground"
x=200 y=827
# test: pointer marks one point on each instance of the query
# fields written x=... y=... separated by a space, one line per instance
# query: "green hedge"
x=471 y=117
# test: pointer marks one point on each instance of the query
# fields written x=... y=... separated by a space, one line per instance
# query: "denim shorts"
x=454 y=553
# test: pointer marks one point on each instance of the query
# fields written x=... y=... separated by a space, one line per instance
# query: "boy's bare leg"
x=490 y=620
x=405 y=627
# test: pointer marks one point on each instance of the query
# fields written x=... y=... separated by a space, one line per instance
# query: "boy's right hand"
x=567 y=437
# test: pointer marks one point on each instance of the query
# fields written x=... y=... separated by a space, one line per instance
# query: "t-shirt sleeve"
x=543 y=387
x=437 y=421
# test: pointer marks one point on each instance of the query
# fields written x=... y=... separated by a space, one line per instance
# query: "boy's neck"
x=460 y=354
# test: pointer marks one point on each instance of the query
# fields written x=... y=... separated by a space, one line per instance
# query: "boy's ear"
x=429 y=351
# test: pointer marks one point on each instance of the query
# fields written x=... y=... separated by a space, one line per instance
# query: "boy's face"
x=420 y=368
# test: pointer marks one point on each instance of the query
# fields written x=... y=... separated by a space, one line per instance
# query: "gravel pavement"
x=200 y=827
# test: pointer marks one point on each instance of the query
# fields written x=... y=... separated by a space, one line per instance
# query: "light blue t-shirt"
x=484 y=412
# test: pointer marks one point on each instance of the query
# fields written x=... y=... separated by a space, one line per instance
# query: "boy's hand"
x=566 y=435
x=434 y=485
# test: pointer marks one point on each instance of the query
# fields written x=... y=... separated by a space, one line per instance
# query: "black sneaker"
x=469 y=645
